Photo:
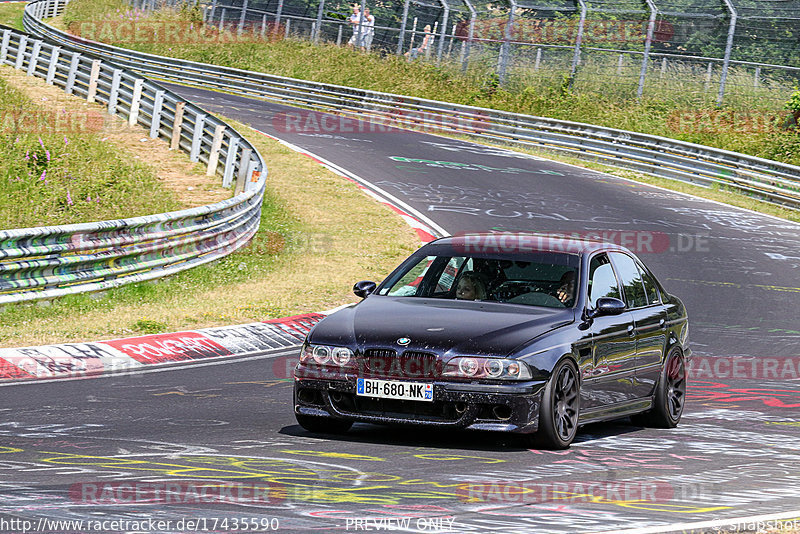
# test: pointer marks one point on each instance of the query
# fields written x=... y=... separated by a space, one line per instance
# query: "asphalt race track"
x=72 y=450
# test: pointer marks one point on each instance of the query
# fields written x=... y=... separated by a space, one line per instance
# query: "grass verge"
x=11 y=14
x=753 y=124
x=61 y=165
x=305 y=256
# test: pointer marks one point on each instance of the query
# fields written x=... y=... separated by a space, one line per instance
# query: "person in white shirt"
x=358 y=37
x=426 y=42
x=368 y=29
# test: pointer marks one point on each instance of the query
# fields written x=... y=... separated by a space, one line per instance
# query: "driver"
x=470 y=287
x=566 y=288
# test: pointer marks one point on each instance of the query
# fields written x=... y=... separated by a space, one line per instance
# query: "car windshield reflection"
x=547 y=279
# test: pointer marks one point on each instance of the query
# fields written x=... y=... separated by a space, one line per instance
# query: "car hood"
x=441 y=326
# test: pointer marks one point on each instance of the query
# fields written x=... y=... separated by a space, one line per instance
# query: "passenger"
x=566 y=288
x=470 y=287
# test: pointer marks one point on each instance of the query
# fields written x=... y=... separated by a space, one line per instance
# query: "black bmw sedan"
x=519 y=333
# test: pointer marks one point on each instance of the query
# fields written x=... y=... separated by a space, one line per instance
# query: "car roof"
x=523 y=242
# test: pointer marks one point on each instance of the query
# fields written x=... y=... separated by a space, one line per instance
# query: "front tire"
x=558 y=414
x=323 y=425
x=670 y=394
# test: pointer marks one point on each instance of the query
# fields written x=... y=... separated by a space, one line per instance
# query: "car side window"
x=448 y=276
x=409 y=284
x=602 y=280
x=650 y=286
x=632 y=285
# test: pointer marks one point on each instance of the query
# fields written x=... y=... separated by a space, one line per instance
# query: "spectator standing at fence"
x=426 y=42
x=368 y=29
x=358 y=32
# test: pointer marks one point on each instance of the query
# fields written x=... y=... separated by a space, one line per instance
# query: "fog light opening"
x=502 y=412
x=308 y=396
x=461 y=407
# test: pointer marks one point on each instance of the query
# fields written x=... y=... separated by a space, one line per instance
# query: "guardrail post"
x=93 y=76
x=216 y=145
x=73 y=72
x=136 y=102
x=339 y=36
x=177 y=126
x=244 y=168
x=155 y=121
x=758 y=75
x=197 y=137
x=37 y=47
x=288 y=28
x=253 y=175
x=4 y=46
x=221 y=20
x=51 y=69
x=230 y=160
x=213 y=10
x=263 y=25
x=663 y=67
x=538 y=60
x=113 y=95
x=23 y=44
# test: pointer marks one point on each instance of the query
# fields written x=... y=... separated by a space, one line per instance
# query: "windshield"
x=542 y=279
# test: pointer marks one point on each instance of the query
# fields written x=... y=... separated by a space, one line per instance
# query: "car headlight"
x=341 y=356
x=325 y=355
x=492 y=368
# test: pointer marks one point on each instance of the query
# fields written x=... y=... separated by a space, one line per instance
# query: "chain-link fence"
x=740 y=52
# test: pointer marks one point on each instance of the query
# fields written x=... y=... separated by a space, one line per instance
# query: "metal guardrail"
x=772 y=181
x=52 y=261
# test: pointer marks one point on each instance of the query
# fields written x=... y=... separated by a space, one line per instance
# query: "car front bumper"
x=475 y=406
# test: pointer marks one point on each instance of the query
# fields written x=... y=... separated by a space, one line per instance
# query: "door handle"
x=631 y=330
x=662 y=323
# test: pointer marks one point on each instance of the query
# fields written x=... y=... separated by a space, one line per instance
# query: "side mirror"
x=364 y=288
x=607 y=306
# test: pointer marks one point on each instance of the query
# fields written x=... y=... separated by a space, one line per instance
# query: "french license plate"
x=393 y=389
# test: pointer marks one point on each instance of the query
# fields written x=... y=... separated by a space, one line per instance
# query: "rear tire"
x=670 y=394
x=323 y=425
x=558 y=414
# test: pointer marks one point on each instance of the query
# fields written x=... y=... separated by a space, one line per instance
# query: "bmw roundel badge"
x=403 y=341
